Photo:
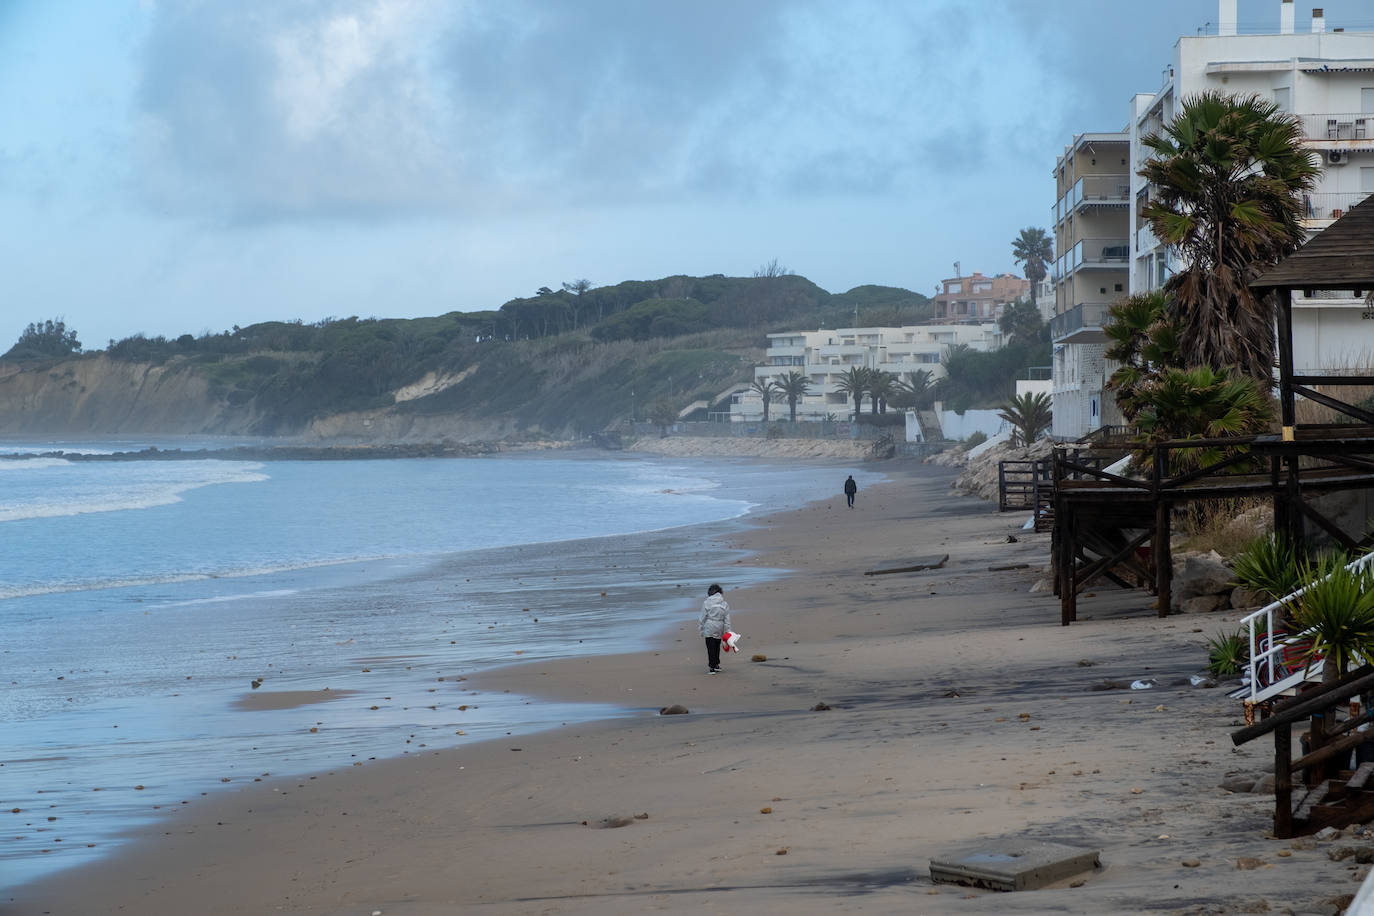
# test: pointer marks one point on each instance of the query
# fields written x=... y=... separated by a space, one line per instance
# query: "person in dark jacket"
x=850 y=488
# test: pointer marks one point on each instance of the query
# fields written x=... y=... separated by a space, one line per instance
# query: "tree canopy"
x=44 y=339
x=1226 y=179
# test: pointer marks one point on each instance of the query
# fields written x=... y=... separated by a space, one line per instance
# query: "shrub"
x=1228 y=653
x=978 y=438
x=1268 y=565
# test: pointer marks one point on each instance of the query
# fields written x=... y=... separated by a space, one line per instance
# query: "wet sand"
x=953 y=710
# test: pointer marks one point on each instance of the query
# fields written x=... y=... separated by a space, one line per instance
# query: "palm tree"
x=1029 y=415
x=1202 y=403
x=912 y=389
x=1033 y=249
x=767 y=389
x=1227 y=177
x=854 y=383
x=881 y=385
x=792 y=386
x=1143 y=341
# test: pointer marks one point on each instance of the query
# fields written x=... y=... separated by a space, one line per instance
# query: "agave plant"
x=1228 y=653
x=1336 y=613
x=1268 y=565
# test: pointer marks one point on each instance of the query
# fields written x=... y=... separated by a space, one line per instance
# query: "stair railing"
x=1266 y=669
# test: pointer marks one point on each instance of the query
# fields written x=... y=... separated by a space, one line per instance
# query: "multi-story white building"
x=825 y=356
x=1090 y=272
x=1326 y=78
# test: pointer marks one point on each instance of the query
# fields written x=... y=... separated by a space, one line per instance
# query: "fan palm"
x=1033 y=249
x=767 y=389
x=1143 y=341
x=1029 y=415
x=793 y=386
x=854 y=384
x=1202 y=403
x=1226 y=177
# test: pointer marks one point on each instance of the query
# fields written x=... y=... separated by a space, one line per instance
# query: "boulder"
x=1203 y=604
x=1201 y=574
x=1246 y=599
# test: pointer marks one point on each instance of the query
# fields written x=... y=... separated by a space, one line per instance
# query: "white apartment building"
x=824 y=357
x=1325 y=77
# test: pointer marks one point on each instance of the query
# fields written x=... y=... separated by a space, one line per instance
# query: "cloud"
x=304 y=109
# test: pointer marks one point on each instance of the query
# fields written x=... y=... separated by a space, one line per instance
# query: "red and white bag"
x=729 y=641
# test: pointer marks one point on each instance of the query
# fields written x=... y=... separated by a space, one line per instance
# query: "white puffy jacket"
x=715 y=616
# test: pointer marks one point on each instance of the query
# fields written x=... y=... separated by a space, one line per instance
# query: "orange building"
x=977 y=298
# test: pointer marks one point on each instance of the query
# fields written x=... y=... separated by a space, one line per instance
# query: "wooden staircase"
x=1319 y=789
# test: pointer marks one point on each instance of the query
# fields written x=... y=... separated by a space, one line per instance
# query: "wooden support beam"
x=1163 y=558
x=1283 y=781
x=1328 y=526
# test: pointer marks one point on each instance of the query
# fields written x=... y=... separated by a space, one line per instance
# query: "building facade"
x=1323 y=76
x=824 y=357
x=1090 y=272
x=977 y=299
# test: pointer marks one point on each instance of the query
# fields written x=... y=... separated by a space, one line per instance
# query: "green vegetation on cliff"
x=567 y=361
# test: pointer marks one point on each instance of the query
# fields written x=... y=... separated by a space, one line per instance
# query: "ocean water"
x=139 y=600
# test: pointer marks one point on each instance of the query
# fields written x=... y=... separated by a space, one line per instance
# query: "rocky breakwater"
x=730 y=447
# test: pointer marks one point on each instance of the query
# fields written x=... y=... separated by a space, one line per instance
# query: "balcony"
x=1092 y=191
x=1338 y=128
x=1331 y=205
x=1092 y=254
x=1081 y=324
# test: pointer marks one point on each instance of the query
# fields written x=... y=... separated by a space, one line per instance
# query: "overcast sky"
x=173 y=166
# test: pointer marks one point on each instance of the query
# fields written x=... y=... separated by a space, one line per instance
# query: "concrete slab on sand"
x=1013 y=865
x=915 y=564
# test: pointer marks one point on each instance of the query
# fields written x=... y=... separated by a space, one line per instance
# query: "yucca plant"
x=1268 y=565
x=1228 y=653
x=1336 y=613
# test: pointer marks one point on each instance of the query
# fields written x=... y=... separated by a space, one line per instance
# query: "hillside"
x=556 y=364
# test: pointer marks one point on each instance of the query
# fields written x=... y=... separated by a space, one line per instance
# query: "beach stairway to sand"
x=1321 y=786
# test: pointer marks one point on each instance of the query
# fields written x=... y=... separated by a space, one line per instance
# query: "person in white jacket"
x=714 y=623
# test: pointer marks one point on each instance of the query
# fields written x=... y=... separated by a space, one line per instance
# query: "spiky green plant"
x=1336 y=613
x=1268 y=565
x=1228 y=653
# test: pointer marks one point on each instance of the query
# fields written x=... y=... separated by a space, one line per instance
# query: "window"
x=1283 y=97
x=1366 y=178
x=1367 y=100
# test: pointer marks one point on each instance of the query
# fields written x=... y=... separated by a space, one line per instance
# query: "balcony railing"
x=1338 y=126
x=1094 y=189
x=1084 y=316
x=1331 y=204
x=1112 y=253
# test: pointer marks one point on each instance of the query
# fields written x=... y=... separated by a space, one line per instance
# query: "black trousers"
x=713 y=651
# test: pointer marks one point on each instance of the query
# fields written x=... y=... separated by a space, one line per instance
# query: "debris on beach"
x=819 y=707
x=758 y=658
x=677 y=709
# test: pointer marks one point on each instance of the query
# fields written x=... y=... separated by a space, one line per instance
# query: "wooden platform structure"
x=1028 y=483
x=1117 y=528
x=1328 y=791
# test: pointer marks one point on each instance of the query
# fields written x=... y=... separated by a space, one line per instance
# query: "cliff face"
x=99 y=396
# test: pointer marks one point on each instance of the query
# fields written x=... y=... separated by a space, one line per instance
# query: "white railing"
x=1338 y=126
x=1268 y=673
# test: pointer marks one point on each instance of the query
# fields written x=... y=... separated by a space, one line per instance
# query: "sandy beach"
x=959 y=712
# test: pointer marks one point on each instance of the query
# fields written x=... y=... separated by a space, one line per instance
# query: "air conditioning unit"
x=1337 y=157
